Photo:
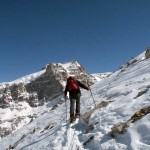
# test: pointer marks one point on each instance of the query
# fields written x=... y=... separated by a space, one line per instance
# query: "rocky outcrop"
x=4 y=131
x=147 y=53
x=87 y=115
x=120 y=128
x=35 y=92
x=45 y=87
x=127 y=64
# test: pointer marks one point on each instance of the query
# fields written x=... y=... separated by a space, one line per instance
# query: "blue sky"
x=99 y=34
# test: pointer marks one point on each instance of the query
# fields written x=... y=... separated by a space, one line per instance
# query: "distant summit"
x=101 y=76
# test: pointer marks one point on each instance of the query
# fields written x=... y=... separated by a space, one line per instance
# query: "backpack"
x=72 y=84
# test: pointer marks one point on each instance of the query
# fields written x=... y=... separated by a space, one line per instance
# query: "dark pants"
x=73 y=100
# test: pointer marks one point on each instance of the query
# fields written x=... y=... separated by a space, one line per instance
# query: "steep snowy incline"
x=123 y=89
x=49 y=131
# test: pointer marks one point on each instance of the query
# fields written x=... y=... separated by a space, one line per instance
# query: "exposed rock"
x=89 y=140
x=138 y=115
x=46 y=87
x=90 y=127
x=14 y=123
x=16 y=143
x=86 y=116
x=127 y=64
x=121 y=127
x=147 y=54
x=6 y=98
x=33 y=131
x=4 y=132
x=142 y=92
x=50 y=126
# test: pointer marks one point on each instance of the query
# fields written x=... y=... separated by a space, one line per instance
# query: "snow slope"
x=25 y=79
x=49 y=130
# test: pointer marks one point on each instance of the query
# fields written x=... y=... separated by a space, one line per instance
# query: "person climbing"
x=72 y=87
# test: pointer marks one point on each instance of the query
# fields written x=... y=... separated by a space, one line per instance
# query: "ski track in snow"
x=122 y=89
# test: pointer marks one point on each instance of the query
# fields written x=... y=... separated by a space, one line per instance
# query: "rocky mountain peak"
x=44 y=85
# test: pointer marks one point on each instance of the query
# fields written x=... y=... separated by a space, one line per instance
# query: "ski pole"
x=66 y=108
x=92 y=97
x=91 y=92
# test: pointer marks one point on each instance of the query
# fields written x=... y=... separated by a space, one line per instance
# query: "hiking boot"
x=77 y=115
x=72 y=119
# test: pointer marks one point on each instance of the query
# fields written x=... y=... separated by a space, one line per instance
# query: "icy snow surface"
x=121 y=87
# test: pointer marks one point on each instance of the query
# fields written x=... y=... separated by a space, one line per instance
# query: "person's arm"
x=83 y=85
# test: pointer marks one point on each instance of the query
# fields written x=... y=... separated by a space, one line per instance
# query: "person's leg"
x=78 y=105
x=72 y=103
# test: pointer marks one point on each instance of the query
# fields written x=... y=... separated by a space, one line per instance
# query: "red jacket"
x=75 y=92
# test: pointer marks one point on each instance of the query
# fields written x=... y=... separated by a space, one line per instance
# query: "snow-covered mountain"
x=41 y=86
x=127 y=94
x=34 y=90
x=101 y=76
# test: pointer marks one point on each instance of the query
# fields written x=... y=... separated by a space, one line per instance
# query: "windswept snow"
x=25 y=79
x=122 y=88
